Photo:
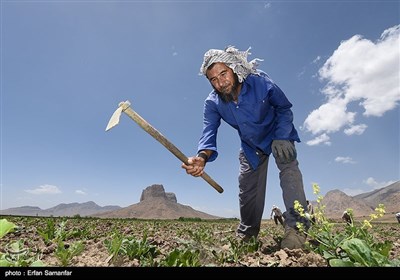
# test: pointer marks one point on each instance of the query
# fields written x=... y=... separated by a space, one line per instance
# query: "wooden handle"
x=166 y=143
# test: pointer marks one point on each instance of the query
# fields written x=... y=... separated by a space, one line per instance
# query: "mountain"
x=22 y=211
x=364 y=204
x=336 y=202
x=389 y=196
x=70 y=209
x=155 y=203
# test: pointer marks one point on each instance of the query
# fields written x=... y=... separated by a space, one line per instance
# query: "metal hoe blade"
x=124 y=107
x=114 y=120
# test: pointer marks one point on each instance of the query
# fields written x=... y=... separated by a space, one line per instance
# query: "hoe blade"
x=114 y=119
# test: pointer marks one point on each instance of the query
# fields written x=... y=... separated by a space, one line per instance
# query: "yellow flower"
x=315 y=187
x=381 y=210
x=299 y=208
x=374 y=216
x=367 y=224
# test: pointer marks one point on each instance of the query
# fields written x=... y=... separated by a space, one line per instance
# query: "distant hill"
x=364 y=204
x=389 y=196
x=155 y=203
x=336 y=202
x=71 y=209
x=22 y=211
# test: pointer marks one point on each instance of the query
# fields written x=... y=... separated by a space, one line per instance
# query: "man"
x=250 y=102
x=277 y=214
x=346 y=217
x=310 y=210
x=398 y=216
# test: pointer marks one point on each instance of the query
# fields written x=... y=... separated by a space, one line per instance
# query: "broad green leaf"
x=5 y=227
x=4 y=263
x=340 y=263
x=37 y=263
x=359 y=251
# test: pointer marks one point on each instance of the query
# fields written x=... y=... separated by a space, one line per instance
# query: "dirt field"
x=194 y=243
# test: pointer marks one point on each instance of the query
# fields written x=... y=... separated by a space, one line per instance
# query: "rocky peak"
x=171 y=197
x=156 y=191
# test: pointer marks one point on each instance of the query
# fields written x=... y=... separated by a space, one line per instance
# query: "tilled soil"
x=214 y=240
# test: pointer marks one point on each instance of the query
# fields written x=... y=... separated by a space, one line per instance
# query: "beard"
x=232 y=94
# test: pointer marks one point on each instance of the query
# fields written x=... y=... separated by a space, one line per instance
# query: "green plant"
x=114 y=246
x=6 y=227
x=139 y=249
x=18 y=256
x=182 y=258
x=237 y=249
x=353 y=246
x=66 y=252
x=49 y=232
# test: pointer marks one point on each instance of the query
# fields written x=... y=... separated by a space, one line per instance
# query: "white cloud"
x=377 y=185
x=45 y=189
x=174 y=52
x=329 y=117
x=356 y=129
x=358 y=71
x=353 y=192
x=318 y=58
x=372 y=183
x=344 y=159
x=80 y=192
x=267 y=5
x=323 y=138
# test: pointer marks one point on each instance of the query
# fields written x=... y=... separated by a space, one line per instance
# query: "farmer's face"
x=224 y=81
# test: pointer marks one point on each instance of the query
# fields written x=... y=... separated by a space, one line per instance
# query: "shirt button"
x=237 y=107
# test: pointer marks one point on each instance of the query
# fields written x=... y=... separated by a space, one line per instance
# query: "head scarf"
x=233 y=58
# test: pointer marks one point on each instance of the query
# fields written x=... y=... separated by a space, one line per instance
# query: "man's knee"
x=288 y=167
x=283 y=160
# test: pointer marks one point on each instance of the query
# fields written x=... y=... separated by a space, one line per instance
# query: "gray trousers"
x=252 y=191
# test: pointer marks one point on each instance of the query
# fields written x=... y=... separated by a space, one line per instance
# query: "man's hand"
x=284 y=151
x=195 y=167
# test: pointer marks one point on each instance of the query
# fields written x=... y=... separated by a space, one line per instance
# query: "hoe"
x=125 y=107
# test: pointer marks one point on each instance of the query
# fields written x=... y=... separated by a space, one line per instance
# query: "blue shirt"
x=262 y=114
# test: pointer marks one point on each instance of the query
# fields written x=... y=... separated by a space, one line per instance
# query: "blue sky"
x=65 y=66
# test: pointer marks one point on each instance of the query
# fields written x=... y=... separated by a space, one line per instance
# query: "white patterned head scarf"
x=233 y=58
